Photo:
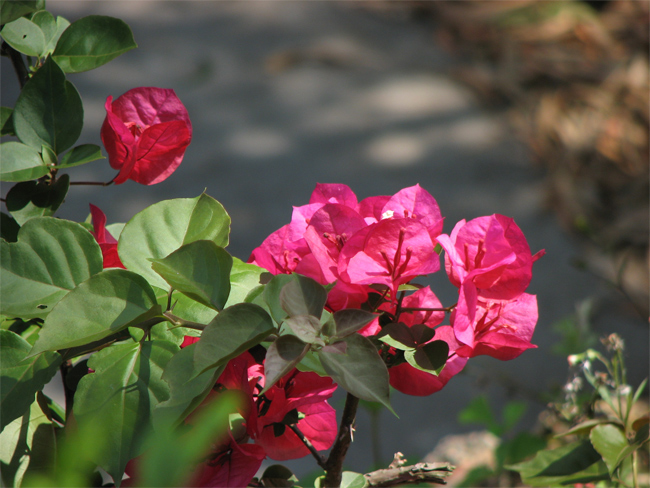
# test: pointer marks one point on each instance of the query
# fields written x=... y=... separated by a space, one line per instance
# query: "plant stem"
x=334 y=463
x=182 y=322
x=319 y=459
x=18 y=63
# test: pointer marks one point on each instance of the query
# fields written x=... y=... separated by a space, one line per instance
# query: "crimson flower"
x=145 y=133
x=107 y=243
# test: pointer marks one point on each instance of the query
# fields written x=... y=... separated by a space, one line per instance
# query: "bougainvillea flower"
x=415 y=203
x=107 y=243
x=390 y=252
x=334 y=193
x=412 y=381
x=491 y=253
x=145 y=133
x=499 y=329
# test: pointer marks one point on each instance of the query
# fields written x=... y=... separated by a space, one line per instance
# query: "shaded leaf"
x=397 y=335
x=430 y=357
x=303 y=296
x=360 y=370
x=306 y=327
x=8 y=228
x=271 y=296
x=281 y=357
x=14 y=9
x=30 y=199
x=351 y=320
x=232 y=331
x=6 y=122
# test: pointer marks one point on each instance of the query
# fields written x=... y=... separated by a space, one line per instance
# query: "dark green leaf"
x=351 y=320
x=21 y=378
x=8 y=228
x=281 y=357
x=6 y=122
x=422 y=333
x=51 y=257
x=610 y=441
x=303 y=296
x=106 y=303
x=185 y=394
x=162 y=228
x=91 y=42
x=397 y=335
x=272 y=292
x=30 y=199
x=49 y=111
x=121 y=394
x=21 y=162
x=278 y=476
x=24 y=36
x=360 y=370
x=11 y=10
x=82 y=154
x=577 y=462
x=233 y=331
x=430 y=357
x=200 y=270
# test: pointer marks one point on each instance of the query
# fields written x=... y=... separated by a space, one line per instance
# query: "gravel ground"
x=283 y=95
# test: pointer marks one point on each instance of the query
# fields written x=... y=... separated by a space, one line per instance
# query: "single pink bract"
x=107 y=243
x=145 y=133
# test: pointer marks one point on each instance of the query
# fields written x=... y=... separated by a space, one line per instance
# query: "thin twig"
x=417 y=473
x=319 y=458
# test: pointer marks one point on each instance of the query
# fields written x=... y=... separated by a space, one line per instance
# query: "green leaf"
x=188 y=309
x=21 y=378
x=30 y=199
x=51 y=257
x=577 y=462
x=584 y=427
x=61 y=25
x=11 y=10
x=52 y=28
x=185 y=394
x=281 y=357
x=200 y=270
x=27 y=444
x=360 y=370
x=160 y=229
x=82 y=154
x=512 y=412
x=311 y=362
x=21 y=162
x=121 y=394
x=91 y=42
x=8 y=228
x=306 y=327
x=173 y=455
x=303 y=296
x=479 y=412
x=610 y=441
x=430 y=357
x=232 y=332
x=24 y=36
x=6 y=122
x=350 y=479
x=49 y=111
x=243 y=278
x=106 y=303
x=351 y=320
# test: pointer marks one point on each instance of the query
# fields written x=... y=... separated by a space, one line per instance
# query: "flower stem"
x=334 y=463
x=319 y=459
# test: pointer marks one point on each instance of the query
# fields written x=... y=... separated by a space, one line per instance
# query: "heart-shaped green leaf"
x=200 y=270
x=106 y=303
x=51 y=257
x=360 y=370
x=121 y=393
x=397 y=335
x=49 y=111
x=21 y=162
x=430 y=357
x=232 y=332
x=160 y=229
x=91 y=42
x=21 y=378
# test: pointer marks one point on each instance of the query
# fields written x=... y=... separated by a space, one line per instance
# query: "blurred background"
x=536 y=110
